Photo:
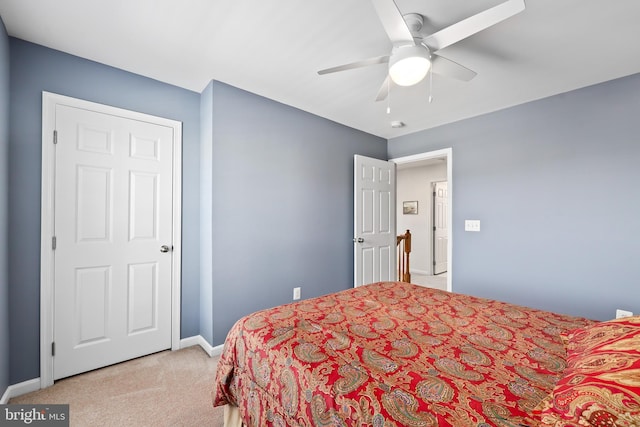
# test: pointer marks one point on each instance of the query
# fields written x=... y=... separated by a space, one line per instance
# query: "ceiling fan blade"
x=448 y=68
x=474 y=24
x=383 y=92
x=393 y=22
x=357 y=64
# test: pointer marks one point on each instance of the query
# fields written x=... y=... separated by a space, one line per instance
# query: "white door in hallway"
x=440 y=227
x=374 y=220
x=113 y=230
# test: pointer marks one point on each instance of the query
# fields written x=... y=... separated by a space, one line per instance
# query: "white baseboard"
x=19 y=389
x=426 y=273
x=217 y=350
x=199 y=340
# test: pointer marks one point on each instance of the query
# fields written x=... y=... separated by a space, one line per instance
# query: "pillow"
x=601 y=385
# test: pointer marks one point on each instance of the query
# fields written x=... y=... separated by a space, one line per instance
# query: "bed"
x=396 y=354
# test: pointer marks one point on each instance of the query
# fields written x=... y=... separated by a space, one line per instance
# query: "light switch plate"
x=471 y=225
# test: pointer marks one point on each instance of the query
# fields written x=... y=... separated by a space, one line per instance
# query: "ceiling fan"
x=412 y=57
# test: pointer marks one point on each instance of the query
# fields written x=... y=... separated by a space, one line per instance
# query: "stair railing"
x=403 y=242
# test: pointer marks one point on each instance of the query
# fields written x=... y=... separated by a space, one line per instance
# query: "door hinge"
x=53 y=348
x=54 y=243
x=55 y=136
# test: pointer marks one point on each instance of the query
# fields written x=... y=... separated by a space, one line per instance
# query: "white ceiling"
x=274 y=49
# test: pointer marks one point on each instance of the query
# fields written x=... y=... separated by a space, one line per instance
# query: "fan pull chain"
x=430 y=84
x=388 y=96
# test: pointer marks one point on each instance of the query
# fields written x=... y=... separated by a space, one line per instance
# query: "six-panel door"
x=113 y=212
x=374 y=220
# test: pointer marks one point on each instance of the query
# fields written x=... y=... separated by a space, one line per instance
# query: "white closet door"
x=113 y=228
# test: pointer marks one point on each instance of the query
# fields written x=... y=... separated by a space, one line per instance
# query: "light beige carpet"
x=170 y=388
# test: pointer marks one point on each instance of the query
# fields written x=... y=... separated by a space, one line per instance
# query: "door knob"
x=358 y=240
x=164 y=248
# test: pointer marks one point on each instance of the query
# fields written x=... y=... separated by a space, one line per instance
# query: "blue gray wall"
x=282 y=209
x=556 y=185
x=35 y=69
x=4 y=210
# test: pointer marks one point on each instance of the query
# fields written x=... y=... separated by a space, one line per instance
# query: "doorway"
x=417 y=160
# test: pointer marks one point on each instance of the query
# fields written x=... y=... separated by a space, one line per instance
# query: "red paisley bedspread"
x=392 y=354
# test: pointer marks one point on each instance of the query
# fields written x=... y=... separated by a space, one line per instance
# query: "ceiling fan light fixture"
x=408 y=65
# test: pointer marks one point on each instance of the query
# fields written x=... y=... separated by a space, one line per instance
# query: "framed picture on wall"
x=410 y=208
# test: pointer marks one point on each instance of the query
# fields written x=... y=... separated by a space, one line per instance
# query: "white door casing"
x=374 y=220
x=440 y=226
x=111 y=197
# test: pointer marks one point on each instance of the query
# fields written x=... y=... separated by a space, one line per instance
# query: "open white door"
x=440 y=227
x=374 y=220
